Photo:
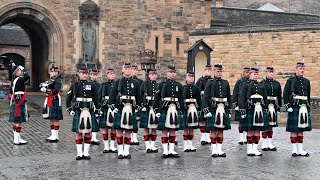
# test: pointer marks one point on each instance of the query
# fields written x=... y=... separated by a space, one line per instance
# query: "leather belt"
x=127 y=97
x=190 y=100
x=170 y=99
x=301 y=97
x=220 y=99
x=150 y=98
x=18 y=92
x=272 y=98
x=256 y=96
x=84 y=99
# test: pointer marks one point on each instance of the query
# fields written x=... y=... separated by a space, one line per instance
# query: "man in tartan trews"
x=216 y=105
x=52 y=104
x=235 y=97
x=253 y=106
x=167 y=106
x=107 y=119
x=274 y=94
x=17 y=97
x=148 y=119
x=201 y=83
x=125 y=101
x=82 y=99
x=296 y=98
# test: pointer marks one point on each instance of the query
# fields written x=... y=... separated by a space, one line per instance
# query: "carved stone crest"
x=89 y=10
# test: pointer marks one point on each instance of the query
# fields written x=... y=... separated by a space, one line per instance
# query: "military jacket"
x=137 y=79
x=236 y=90
x=191 y=91
x=20 y=84
x=252 y=88
x=125 y=87
x=202 y=82
x=273 y=89
x=105 y=90
x=55 y=87
x=83 y=89
x=168 y=89
x=216 y=88
x=299 y=86
x=148 y=89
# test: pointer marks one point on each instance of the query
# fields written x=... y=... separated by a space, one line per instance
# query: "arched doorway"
x=43 y=31
x=17 y=58
x=201 y=60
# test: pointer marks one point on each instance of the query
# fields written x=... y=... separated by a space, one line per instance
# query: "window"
x=178 y=44
x=157 y=44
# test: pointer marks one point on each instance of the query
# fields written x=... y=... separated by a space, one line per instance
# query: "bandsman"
x=83 y=104
x=148 y=119
x=274 y=96
x=191 y=104
x=168 y=106
x=125 y=101
x=296 y=98
x=201 y=83
x=18 y=102
x=52 y=104
x=216 y=104
x=253 y=106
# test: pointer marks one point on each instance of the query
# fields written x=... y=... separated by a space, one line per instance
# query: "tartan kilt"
x=269 y=118
x=202 y=118
x=211 y=121
x=237 y=116
x=117 y=120
x=292 y=121
x=76 y=119
x=162 y=121
x=24 y=114
x=103 y=119
x=247 y=123
x=186 y=122
x=55 y=112
x=144 y=115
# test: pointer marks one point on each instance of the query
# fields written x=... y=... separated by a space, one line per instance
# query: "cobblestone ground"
x=41 y=160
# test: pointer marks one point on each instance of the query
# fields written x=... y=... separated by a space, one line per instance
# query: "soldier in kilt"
x=134 y=134
x=235 y=97
x=274 y=96
x=192 y=102
x=125 y=101
x=253 y=106
x=52 y=109
x=83 y=104
x=296 y=98
x=107 y=119
x=18 y=105
x=94 y=77
x=148 y=120
x=167 y=105
x=217 y=108
x=201 y=83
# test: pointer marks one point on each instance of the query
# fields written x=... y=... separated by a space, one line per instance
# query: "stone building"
x=170 y=27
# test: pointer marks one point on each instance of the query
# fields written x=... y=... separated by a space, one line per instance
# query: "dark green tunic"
x=190 y=91
x=104 y=91
x=83 y=89
x=235 y=96
x=201 y=83
x=148 y=89
x=247 y=104
x=172 y=89
x=55 y=112
x=299 y=86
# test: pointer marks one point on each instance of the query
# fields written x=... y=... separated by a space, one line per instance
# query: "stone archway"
x=44 y=32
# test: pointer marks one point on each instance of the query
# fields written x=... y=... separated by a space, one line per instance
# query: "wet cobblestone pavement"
x=41 y=160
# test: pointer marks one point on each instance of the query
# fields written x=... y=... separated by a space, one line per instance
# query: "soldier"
x=253 y=106
x=18 y=105
x=192 y=100
x=82 y=99
x=216 y=104
x=107 y=119
x=134 y=71
x=148 y=119
x=125 y=100
x=296 y=97
x=93 y=77
x=274 y=96
x=167 y=106
x=52 y=104
x=235 y=98
x=201 y=83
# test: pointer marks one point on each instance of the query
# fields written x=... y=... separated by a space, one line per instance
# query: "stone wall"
x=283 y=48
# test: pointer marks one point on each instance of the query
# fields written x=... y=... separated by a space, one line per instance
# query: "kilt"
x=144 y=115
x=55 y=112
x=201 y=117
x=237 y=116
x=276 y=118
x=292 y=121
x=247 y=123
x=76 y=119
x=24 y=114
x=211 y=121
x=103 y=119
x=162 y=120
x=185 y=121
x=117 y=120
